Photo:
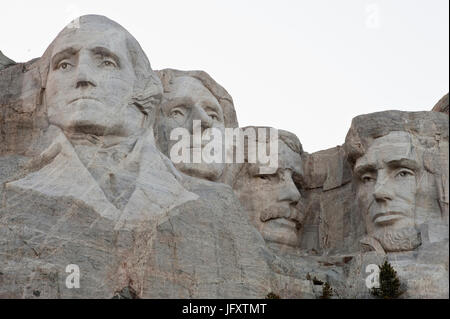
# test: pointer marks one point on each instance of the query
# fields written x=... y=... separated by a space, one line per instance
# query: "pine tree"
x=327 y=291
x=389 y=283
x=272 y=295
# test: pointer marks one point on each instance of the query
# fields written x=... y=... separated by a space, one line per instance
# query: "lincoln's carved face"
x=387 y=183
x=188 y=100
x=90 y=83
x=272 y=200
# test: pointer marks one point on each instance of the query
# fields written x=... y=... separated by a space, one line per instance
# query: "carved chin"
x=280 y=231
x=395 y=240
x=210 y=171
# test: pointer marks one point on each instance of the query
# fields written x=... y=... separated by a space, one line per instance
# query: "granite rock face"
x=89 y=186
x=5 y=61
x=442 y=105
x=96 y=192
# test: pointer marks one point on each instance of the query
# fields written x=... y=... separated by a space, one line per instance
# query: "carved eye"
x=64 y=65
x=214 y=116
x=176 y=112
x=367 y=179
x=404 y=173
x=264 y=177
x=108 y=63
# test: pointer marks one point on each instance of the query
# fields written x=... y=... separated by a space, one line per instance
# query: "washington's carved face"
x=272 y=201
x=190 y=100
x=387 y=183
x=90 y=83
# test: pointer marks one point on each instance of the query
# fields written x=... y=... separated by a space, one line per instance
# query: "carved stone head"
x=396 y=183
x=193 y=96
x=273 y=201
x=387 y=184
x=97 y=79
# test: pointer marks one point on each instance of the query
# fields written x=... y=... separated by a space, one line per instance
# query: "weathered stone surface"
x=422 y=274
x=442 y=105
x=331 y=224
x=400 y=163
x=95 y=191
x=327 y=169
x=202 y=249
x=418 y=138
x=22 y=116
x=272 y=201
x=193 y=96
x=5 y=61
x=87 y=179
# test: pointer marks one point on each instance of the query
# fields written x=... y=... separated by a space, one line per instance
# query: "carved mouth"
x=283 y=222
x=83 y=98
x=294 y=217
x=387 y=217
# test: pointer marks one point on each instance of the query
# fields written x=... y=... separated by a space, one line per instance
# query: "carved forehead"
x=93 y=23
x=394 y=146
x=113 y=39
x=99 y=31
x=186 y=86
x=287 y=159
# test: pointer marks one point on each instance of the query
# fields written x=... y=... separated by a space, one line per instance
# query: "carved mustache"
x=386 y=214
x=294 y=213
x=391 y=209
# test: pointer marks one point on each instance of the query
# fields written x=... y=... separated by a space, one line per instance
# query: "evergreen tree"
x=272 y=295
x=327 y=291
x=389 y=283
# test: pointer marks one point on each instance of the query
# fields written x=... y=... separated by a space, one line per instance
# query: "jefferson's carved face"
x=190 y=100
x=387 y=183
x=90 y=83
x=272 y=200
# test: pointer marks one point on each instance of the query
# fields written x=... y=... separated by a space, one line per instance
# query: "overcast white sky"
x=306 y=66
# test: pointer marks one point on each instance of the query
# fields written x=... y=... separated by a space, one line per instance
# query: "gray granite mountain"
x=87 y=178
x=442 y=105
x=5 y=61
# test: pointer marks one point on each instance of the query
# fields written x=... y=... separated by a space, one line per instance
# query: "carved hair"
x=147 y=87
x=222 y=96
x=288 y=138
x=428 y=127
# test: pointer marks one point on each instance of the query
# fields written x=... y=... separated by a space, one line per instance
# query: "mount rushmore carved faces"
x=100 y=95
x=399 y=161
x=273 y=200
x=387 y=188
x=91 y=186
x=193 y=96
x=95 y=72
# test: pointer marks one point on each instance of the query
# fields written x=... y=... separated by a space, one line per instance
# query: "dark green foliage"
x=389 y=283
x=272 y=295
x=317 y=281
x=327 y=291
x=126 y=293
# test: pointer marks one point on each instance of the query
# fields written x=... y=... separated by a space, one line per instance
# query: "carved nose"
x=206 y=123
x=85 y=72
x=289 y=192
x=382 y=194
x=382 y=189
x=200 y=115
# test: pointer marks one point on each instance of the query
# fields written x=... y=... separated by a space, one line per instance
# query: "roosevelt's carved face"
x=189 y=100
x=272 y=201
x=387 y=184
x=90 y=83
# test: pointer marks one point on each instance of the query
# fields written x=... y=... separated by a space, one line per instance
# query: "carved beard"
x=404 y=239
